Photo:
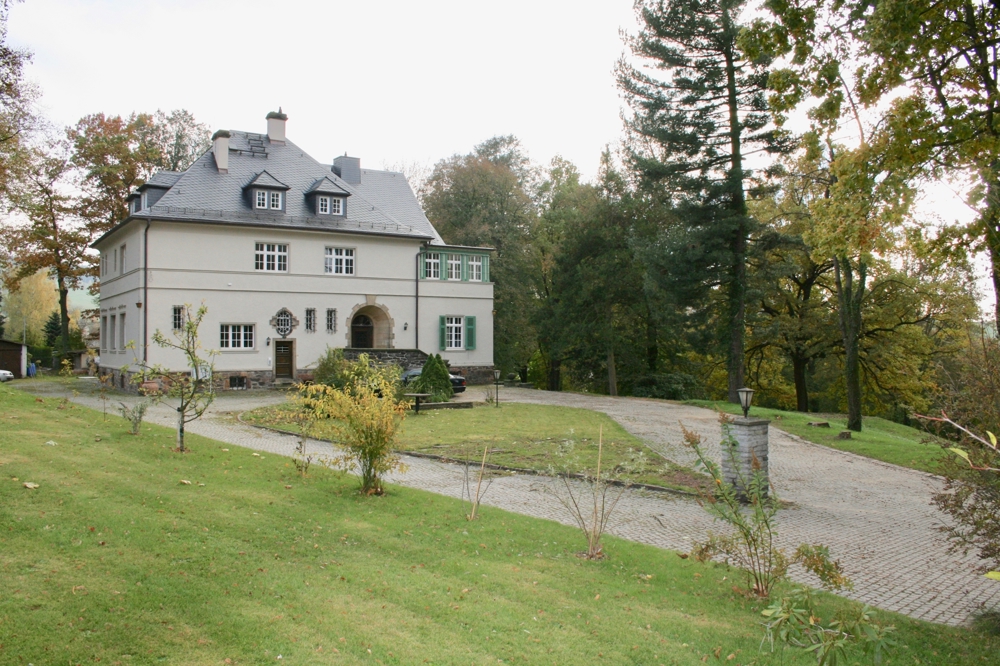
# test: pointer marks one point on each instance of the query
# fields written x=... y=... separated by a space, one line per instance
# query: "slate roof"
x=381 y=204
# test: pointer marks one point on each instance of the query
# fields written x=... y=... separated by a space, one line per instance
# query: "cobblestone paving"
x=875 y=517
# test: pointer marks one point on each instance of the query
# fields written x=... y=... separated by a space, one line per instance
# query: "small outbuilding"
x=14 y=357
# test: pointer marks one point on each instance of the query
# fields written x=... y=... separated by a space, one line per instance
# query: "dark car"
x=457 y=381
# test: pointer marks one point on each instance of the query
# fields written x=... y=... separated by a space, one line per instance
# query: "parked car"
x=7 y=375
x=457 y=381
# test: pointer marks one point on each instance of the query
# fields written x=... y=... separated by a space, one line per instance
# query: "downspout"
x=416 y=282
x=145 y=292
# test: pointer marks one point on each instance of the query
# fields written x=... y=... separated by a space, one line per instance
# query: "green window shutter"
x=470 y=333
x=465 y=268
x=443 y=334
x=486 y=268
x=423 y=266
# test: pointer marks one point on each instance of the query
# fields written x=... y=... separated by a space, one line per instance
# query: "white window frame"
x=339 y=261
x=323 y=205
x=260 y=199
x=104 y=333
x=475 y=269
x=454 y=267
x=177 y=318
x=112 y=329
x=432 y=266
x=237 y=337
x=337 y=206
x=454 y=333
x=274 y=200
x=270 y=257
x=122 y=262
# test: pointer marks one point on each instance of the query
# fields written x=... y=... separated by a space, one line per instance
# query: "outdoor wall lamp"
x=267 y=343
x=746 y=397
x=405 y=326
x=139 y=305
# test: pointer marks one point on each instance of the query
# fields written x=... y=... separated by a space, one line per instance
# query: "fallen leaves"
x=29 y=485
x=185 y=482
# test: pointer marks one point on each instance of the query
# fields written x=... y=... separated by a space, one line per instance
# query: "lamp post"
x=746 y=396
x=496 y=380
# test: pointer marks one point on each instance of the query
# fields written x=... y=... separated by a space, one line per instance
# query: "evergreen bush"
x=434 y=379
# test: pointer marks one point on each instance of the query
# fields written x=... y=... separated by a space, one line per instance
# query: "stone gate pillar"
x=750 y=441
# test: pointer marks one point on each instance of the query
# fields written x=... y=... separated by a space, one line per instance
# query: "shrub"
x=337 y=372
x=434 y=379
x=669 y=386
x=134 y=414
x=331 y=369
x=363 y=419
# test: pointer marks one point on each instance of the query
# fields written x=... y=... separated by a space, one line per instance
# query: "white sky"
x=390 y=82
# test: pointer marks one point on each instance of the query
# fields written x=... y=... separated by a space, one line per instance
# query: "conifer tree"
x=698 y=110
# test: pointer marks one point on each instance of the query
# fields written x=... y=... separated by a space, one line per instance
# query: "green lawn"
x=879 y=439
x=114 y=560
x=522 y=436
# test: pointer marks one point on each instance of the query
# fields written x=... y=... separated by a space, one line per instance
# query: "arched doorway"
x=362 y=332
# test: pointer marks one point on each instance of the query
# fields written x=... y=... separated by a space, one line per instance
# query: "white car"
x=6 y=375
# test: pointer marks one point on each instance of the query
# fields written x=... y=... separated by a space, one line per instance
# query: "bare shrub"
x=134 y=414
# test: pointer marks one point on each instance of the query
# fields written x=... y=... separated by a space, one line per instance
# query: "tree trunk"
x=991 y=222
x=850 y=294
x=737 y=204
x=612 y=373
x=555 y=375
x=801 y=391
x=652 y=345
x=180 y=430
x=63 y=319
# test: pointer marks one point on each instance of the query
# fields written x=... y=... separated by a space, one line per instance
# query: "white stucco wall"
x=214 y=264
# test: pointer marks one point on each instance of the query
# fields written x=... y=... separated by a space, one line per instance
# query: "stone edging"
x=501 y=468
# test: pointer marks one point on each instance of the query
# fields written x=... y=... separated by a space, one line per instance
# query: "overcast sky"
x=389 y=82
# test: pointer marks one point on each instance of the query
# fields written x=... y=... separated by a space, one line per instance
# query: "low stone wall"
x=474 y=374
x=404 y=358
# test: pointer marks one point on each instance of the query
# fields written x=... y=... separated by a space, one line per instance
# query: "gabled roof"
x=264 y=179
x=326 y=186
x=382 y=204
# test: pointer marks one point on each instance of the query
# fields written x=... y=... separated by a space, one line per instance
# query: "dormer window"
x=275 y=200
x=265 y=192
x=262 y=199
x=337 y=206
x=326 y=197
x=323 y=205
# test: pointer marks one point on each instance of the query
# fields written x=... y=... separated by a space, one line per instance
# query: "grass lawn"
x=114 y=560
x=522 y=436
x=879 y=439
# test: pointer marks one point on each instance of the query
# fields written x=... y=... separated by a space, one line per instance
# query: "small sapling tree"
x=591 y=497
x=750 y=545
x=476 y=496
x=192 y=389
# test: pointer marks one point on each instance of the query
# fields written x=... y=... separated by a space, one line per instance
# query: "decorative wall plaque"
x=284 y=322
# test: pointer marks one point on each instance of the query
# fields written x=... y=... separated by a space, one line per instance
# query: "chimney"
x=276 y=127
x=220 y=147
x=348 y=168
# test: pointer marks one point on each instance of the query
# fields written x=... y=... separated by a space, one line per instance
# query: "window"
x=275 y=200
x=339 y=261
x=177 y=319
x=111 y=332
x=454 y=267
x=236 y=336
x=122 y=262
x=432 y=265
x=311 y=320
x=476 y=269
x=337 y=206
x=104 y=264
x=122 y=337
x=104 y=332
x=458 y=333
x=453 y=333
x=271 y=257
x=114 y=266
x=323 y=205
x=261 y=199
x=331 y=320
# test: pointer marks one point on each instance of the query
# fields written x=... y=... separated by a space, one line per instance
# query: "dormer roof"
x=267 y=181
x=326 y=186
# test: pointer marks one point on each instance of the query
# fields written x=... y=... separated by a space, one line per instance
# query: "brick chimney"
x=220 y=148
x=276 y=127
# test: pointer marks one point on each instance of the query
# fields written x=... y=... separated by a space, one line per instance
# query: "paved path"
x=875 y=517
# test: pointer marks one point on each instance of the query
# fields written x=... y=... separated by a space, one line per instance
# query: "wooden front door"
x=362 y=332
x=283 y=355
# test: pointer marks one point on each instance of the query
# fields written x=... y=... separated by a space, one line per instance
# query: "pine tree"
x=698 y=109
x=53 y=329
